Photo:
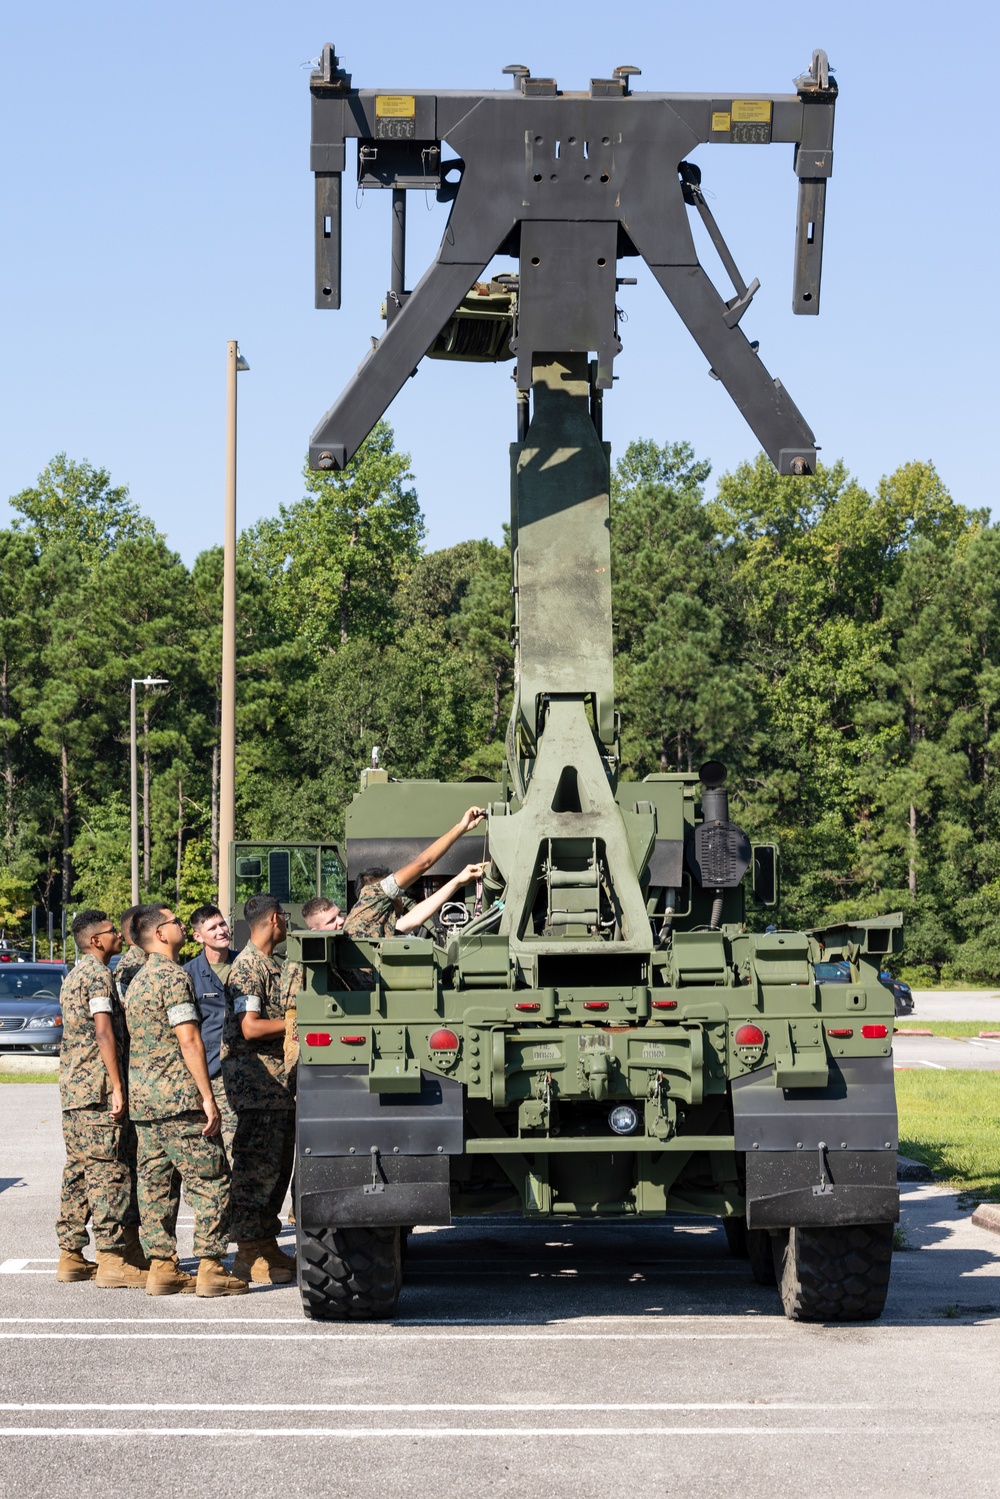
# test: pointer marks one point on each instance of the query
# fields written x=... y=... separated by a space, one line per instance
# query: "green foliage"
x=838 y=648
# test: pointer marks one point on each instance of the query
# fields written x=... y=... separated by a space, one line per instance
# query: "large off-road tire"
x=753 y=1244
x=834 y=1274
x=350 y=1274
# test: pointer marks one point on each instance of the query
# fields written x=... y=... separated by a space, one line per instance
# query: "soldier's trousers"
x=172 y=1151
x=263 y=1156
x=95 y=1180
x=228 y=1116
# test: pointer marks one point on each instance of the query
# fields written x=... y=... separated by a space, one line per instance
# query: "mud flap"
x=819 y=1156
x=372 y=1159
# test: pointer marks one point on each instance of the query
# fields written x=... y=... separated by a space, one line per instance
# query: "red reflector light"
x=847 y=1031
x=527 y=1007
x=749 y=1035
x=874 y=1032
x=595 y=1004
x=664 y=1004
x=444 y=1041
x=319 y=1038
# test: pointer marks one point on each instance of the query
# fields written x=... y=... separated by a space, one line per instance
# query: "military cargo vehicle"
x=603 y=1030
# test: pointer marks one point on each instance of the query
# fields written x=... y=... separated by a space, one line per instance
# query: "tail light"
x=527 y=1007
x=846 y=1031
x=443 y=1040
x=320 y=1038
x=874 y=1032
x=346 y=1041
x=749 y=1035
x=595 y=1004
x=664 y=1004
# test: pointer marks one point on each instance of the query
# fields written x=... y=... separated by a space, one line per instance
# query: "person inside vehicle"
x=322 y=915
x=382 y=896
x=412 y=921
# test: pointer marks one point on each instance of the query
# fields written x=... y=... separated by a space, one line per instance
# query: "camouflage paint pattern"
x=160 y=1085
x=128 y=965
x=88 y=990
x=95 y=1180
x=254 y=1072
x=263 y=1156
x=172 y=1151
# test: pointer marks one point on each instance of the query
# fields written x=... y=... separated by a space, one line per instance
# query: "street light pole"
x=235 y=363
x=134 y=769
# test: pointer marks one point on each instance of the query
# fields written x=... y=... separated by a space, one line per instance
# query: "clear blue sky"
x=158 y=202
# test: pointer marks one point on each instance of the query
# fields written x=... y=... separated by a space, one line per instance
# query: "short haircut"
x=84 y=923
x=127 y=916
x=145 y=922
x=370 y=877
x=203 y=914
x=317 y=906
x=259 y=908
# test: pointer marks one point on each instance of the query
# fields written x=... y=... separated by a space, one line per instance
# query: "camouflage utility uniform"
x=128 y=966
x=95 y=1181
x=257 y=1083
x=167 y=1109
x=373 y=914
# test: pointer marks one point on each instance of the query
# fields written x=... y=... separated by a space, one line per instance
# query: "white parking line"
x=415 y=1433
x=20 y=1267
x=414 y=1408
x=391 y=1337
x=938 y=1066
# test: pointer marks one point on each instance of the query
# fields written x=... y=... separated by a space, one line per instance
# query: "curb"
x=11 y=1062
x=987 y=1215
x=908 y=1170
x=899 y=1032
x=989 y=1035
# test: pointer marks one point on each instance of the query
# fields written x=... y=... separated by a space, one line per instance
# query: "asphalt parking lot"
x=532 y=1360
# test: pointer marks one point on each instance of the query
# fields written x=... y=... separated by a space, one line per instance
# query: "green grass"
x=951 y=1121
x=947 y=1027
x=29 y=1077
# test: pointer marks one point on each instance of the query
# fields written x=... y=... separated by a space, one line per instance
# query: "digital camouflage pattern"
x=291 y=983
x=172 y=1151
x=228 y=1116
x=88 y=989
x=160 y=1086
x=254 y=1072
x=263 y=1156
x=95 y=1180
x=128 y=965
x=373 y=914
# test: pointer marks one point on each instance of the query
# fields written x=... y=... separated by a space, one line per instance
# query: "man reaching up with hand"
x=382 y=896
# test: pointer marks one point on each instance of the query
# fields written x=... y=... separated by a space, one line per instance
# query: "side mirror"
x=765 y=874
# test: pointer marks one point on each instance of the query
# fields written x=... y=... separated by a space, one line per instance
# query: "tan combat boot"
x=73 y=1265
x=261 y=1261
x=166 y=1278
x=131 y=1249
x=115 y=1273
x=214 y=1280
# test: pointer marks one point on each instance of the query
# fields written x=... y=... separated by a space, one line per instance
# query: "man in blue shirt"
x=209 y=971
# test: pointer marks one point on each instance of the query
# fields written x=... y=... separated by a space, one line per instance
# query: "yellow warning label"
x=720 y=120
x=404 y=107
x=757 y=110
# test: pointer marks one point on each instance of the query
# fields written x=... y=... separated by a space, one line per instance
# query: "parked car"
x=901 y=993
x=839 y=972
x=30 y=1017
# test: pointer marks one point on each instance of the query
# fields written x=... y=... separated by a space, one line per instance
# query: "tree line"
x=837 y=647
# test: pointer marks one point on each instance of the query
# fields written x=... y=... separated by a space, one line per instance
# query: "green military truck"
x=598 y=1033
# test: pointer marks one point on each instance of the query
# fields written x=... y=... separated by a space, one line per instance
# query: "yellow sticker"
x=758 y=110
x=398 y=106
x=720 y=120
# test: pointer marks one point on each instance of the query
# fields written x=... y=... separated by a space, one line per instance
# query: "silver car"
x=30 y=1017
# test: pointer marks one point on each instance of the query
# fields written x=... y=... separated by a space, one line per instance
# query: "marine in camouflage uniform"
x=128 y=965
x=167 y=1108
x=257 y=1083
x=95 y=1180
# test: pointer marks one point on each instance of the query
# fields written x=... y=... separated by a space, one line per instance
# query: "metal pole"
x=135 y=797
x=34 y=934
x=227 y=747
x=51 y=938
